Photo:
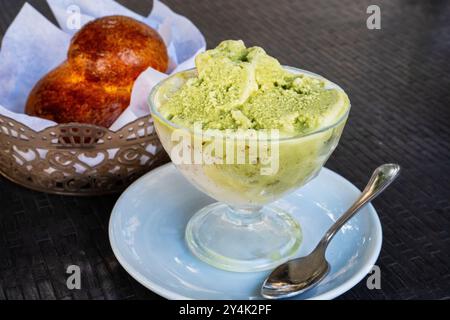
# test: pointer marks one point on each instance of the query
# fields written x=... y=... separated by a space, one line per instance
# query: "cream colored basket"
x=78 y=159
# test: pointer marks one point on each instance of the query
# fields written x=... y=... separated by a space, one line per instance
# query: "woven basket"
x=78 y=159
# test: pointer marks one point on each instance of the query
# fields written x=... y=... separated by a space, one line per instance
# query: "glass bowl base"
x=243 y=240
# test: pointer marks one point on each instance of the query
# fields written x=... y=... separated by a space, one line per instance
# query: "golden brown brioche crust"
x=94 y=85
x=116 y=49
x=63 y=96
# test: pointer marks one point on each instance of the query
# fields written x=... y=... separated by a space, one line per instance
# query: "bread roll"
x=94 y=84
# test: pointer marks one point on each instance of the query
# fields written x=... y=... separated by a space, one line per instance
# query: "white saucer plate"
x=147 y=224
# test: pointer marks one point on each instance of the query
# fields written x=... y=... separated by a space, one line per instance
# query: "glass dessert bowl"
x=245 y=170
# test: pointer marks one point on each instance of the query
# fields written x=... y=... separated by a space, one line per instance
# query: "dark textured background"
x=398 y=79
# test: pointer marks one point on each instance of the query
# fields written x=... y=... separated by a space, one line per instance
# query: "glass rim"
x=155 y=112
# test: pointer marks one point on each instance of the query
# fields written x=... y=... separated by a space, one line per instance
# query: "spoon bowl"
x=296 y=276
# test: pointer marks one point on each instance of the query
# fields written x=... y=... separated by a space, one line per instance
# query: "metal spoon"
x=299 y=275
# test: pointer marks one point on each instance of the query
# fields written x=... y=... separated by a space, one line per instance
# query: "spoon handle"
x=381 y=178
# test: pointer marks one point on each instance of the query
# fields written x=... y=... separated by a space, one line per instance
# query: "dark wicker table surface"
x=398 y=79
